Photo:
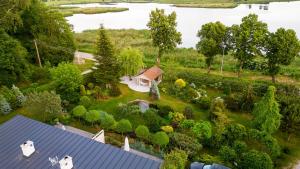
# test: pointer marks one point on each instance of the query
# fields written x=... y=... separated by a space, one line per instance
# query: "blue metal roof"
x=54 y=142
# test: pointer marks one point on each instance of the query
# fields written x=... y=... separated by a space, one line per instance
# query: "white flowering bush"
x=4 y=106
x=20 y=98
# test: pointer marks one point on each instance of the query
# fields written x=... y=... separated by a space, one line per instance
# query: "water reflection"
x=189 y=20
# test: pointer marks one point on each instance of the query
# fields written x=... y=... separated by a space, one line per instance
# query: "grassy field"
x=69 y=11
x=181 y=58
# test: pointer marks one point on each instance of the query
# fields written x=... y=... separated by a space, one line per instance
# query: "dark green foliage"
x=282 y=48
x=227 y=154
x=163 y=31
x=254 y=159
x=108 y=70
x=290 y=111
x=152 y=120
x=160 y=138
x=79 y=111
x=211 y=37
x=176 y=159
x=46 y=105
x=188 y=112
x=123 y=126
x=164 y=110
x=266 y=112
x=234 y=132
x=13 y=66
x=142 y=132
x=85 y=101
x=53 y=34
x=184 y=142
x=114 y=90
x=39 y=73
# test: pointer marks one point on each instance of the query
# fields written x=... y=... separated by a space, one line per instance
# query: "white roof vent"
x=66 y=163
x=27 y=148
x=126 y=144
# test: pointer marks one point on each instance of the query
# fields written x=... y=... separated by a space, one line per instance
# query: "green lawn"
x=128 y=95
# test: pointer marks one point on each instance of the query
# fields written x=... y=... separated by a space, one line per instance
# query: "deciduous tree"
x=211 y=36
x=248 y=39
x=282 y=48
x=131 y=61
x=163 y=31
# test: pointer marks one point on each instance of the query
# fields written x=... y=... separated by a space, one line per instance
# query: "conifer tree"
x=266 y=112
x=108 y=69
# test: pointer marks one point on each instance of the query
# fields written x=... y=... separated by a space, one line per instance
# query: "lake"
x=276 y=15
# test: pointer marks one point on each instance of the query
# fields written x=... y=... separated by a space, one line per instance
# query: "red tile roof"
x=153 y=72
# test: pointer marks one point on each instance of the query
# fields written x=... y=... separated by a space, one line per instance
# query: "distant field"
x=69 y=11
x=178 y=3
x=181 y=57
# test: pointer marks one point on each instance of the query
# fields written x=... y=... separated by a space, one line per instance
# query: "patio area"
x=133 y=85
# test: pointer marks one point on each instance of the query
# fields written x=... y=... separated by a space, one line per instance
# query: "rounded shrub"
x=79 y=111
x=85 y=101
x=123 y=126
x=142 y=132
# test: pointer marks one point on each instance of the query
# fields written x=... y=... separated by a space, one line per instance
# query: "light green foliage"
x=131 y=61
x=249 y=38
x=92 y=116
x=13 y=66
x=282 y=48
x=85 y=101
x=187 y=124
x=163 y=31
x=79 y=111
x=211 y=37
x=176 y=117
x=235 y=131
x=154 y=91
x=82 y=90
x=123 y=126
x=176 y=159
x=67 y=76
x=167 y=129
x=180 y=83
x=47 y=104
x=107 y=121
x=142 y=132
x=108 y=70
x=203 y=130
x=258 y=160
x=160 y=138
x=266 y=112
x=4 y=106
x=217 y=105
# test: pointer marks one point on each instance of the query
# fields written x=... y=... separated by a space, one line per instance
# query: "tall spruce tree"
x=266 y=112
x=108 y=69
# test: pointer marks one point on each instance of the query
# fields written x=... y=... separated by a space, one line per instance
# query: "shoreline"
x=192 y=4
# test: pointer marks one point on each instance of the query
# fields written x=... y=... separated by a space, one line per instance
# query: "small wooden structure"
x=146 y=77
